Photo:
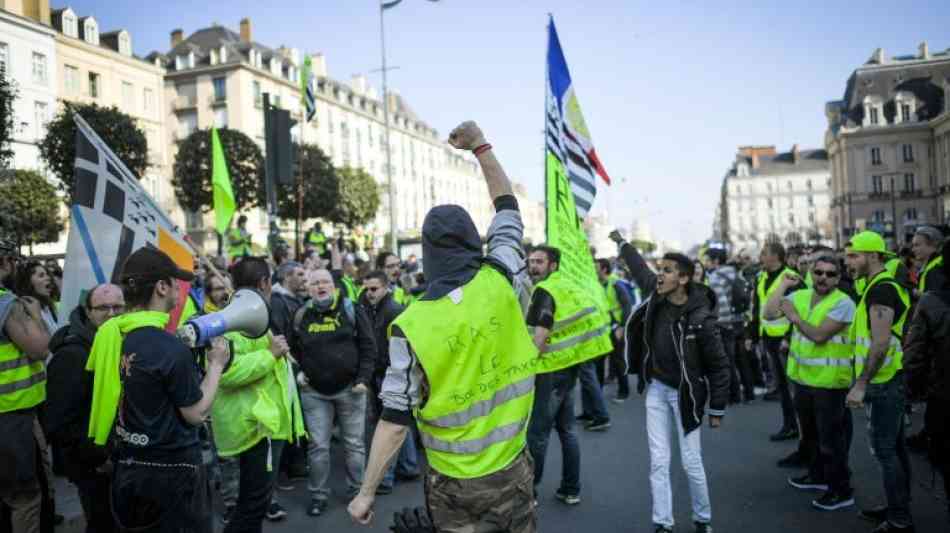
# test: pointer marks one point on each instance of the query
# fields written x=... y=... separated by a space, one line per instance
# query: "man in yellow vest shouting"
x=819 y=363
x=23 y=347
x=878 y=363
x=461 y=360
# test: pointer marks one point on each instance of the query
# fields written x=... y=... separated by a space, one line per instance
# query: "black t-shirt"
x=159 y=376
x=885 y=294
x=541 y=310
x=665 y=363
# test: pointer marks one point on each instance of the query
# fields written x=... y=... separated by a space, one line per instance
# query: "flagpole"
x=544 y=138
x=393 y=234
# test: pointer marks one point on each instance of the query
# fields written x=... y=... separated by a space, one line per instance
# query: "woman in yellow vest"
x=462 y=362
x=878 y=361
x=819 y=363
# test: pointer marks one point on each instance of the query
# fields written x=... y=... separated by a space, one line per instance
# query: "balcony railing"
x=185 y=103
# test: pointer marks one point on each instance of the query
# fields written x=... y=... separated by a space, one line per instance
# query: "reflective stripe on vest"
x=479 y=360
x=580 y=332
x=827 y=365
x=780 y=326
x=935 y=263
x=22 y=380
x=861 y=332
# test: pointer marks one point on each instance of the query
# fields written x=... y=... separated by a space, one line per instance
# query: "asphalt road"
x=748 y=492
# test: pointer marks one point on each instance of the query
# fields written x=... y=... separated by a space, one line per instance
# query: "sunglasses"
x=825 y=273
x=373 y=289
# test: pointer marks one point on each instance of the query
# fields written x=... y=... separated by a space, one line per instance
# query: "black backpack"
x=740 y=295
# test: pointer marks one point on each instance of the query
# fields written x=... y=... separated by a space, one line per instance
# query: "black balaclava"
x=451 y=250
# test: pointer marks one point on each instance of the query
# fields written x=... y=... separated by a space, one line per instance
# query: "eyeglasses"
x=107 y=308
x=373 y=289
x=392 y=265
x=825 y=273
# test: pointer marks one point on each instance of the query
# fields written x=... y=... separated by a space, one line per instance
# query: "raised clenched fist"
x=467 y=136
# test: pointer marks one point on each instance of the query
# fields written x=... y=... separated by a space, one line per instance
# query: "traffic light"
x=280 y=146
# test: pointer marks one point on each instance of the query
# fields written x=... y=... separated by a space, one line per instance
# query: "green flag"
x=221 y=183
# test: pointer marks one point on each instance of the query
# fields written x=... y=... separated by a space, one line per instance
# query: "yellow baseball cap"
x=867 y=241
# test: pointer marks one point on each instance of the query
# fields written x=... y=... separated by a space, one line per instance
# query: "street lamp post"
x=393 y=234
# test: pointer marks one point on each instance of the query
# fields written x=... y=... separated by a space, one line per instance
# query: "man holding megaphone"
x=257 y=410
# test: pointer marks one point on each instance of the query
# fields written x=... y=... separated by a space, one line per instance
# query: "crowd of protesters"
x=787 y=327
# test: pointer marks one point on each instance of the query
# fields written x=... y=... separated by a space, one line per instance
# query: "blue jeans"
x=318 y=412
x=885 y=402
x=554 y=407
x=592 y=395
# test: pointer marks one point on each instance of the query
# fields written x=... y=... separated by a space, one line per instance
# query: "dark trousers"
x=256 y=486
x=618 y=367
x=554 y=408
x=826 y=434
x=743 y=367
x=938 y=427
x=728 y=336
x=601 y=365
x=886 y=432
x=162 y=499
x=94 y=490
x=778 y=361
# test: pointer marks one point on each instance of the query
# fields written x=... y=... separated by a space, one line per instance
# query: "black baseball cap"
x=151 y=264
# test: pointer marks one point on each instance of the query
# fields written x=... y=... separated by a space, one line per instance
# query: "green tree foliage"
x=358 y=198
x=31 y=207
x=8 y=95
x=320 y=186
x=191 y=177
x=118 y=130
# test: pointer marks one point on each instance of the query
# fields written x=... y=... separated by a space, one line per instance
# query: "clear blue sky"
x=669 y=89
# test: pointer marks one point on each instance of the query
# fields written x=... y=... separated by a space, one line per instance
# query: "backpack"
x=349 y=311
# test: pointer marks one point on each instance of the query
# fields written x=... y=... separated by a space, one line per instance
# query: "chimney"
x=318 y=65
x=924 y=51
x=756 y=152
x=37 y=10
x=177 y=37
x=358 y=84
x=796 y=155
x=246 y=30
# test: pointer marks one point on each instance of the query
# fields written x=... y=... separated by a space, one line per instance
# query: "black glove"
x=412 y=521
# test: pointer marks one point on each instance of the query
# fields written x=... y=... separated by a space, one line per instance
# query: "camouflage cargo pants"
x=502 y=502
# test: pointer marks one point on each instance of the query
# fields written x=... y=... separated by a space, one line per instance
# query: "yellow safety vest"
x=349 y=287
x=934 y=263
x=479 y=361
x=319 y=241
x=401 y=297
x=22 y=380
x=613 y=303
x=581 y=330
x=239 y=243
x=827 y=365
x=861 y=333
x=780 y=326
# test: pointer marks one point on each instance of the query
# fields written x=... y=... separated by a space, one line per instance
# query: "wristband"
x=480 y=149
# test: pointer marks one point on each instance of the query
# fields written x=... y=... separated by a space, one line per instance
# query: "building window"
x=811 y=218
x=276 y=100
x=877 y=185
x=92 y=32
x=4 y=57
x=905 y=112
x=148 y=100
x=877 y=215
x=220 y=89
x=69 y=25
x=910 y=214
x=221 y=117
x=789 y=185
x=40 y=119
x=811 y=201
x=39 y=69
x=808 y=185
x=909 y=185
x=128 y=96
x=908 y=151
x=125 y=44
x=71 y=79
x=791 y=219
x=873 y=115
x=94 y=85
x=875 y=156
x=768 y=202
x=256 y=91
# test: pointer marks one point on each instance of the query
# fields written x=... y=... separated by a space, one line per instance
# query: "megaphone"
x=246 y=313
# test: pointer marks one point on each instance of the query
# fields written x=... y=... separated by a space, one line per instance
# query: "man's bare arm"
x=882 y=319
x=468 y=136
x=825 y=331
x=25 y=329
x=540 y=338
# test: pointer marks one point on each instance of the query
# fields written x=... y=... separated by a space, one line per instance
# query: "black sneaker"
x=620 y=398
x=662 y=529
x=887 y=527
x=275 y=512
x=317 y=507
x=584 y=418
x=598 y=424
x=807 y=483
x=569 y=499
x=703 y=527
x=876 y=515
x=793 y=460
x=832 y=500
x=228 y=513
x=784 y=434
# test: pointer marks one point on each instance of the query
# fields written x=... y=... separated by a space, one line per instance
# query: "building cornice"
x=26 y=23
x=106 y=53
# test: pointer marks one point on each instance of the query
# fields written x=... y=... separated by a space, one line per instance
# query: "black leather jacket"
x=382 y=315
x=927 y=348
x=704 y=365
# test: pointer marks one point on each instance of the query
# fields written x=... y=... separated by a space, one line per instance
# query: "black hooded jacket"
x=703 y=362
x=69 y=395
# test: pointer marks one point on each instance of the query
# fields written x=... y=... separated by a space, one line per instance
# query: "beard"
x=323 y=304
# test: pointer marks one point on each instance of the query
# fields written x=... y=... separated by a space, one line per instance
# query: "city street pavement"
x=749 y=493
